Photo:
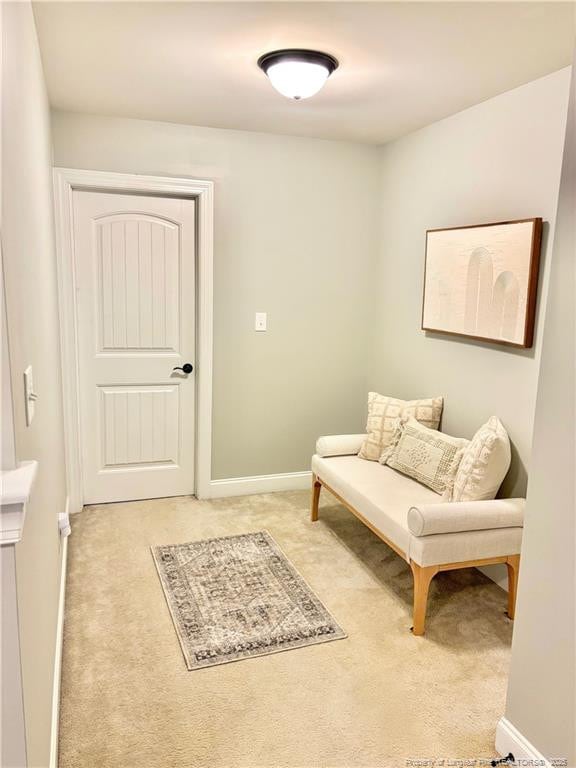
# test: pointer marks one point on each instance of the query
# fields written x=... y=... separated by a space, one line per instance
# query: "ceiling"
x=403 y=65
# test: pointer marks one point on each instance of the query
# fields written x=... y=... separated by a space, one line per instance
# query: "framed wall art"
x=480 y=281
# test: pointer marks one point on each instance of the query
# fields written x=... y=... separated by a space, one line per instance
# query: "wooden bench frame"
x=423 y=575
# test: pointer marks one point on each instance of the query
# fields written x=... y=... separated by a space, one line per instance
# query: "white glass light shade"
x=297 y=73
x=297 y=79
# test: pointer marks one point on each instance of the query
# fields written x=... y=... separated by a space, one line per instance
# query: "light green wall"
x=542 y=687
x=496 y=161
x=33 y=334
x=295 y=236
x=328 y=238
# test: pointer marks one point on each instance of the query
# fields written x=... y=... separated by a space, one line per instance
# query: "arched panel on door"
x=138 y=267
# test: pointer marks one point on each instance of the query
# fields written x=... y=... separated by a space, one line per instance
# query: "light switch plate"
x=30 y=396
x=260 y=323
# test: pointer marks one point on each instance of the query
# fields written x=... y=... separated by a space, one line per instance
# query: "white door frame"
x=66 y=181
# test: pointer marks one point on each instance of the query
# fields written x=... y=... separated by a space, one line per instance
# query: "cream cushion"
x=339 y=445
x=380 y=494
x=383 y=415
x=383 y=497
x=484 y=464
x=426 y=455
x=465 y=546
x=453 y=517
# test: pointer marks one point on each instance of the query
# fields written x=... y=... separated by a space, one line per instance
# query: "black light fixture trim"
x=298 y=54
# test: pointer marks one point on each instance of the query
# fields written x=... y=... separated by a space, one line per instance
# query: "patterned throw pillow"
x=383 y=415
x=425 y=455
x=484 y=464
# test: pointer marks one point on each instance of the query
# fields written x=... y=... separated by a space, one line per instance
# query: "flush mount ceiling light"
x=297 y=73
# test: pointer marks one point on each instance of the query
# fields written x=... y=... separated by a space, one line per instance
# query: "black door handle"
x=186 y=368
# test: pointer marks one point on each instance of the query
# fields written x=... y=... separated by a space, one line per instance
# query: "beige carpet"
x=375 y=700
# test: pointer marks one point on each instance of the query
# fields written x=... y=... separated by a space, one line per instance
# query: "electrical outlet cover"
x=260 y=323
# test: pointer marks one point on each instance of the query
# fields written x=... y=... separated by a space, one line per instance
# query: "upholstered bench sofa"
x=430 y=534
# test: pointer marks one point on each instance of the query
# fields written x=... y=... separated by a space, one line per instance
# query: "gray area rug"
x=236 y=597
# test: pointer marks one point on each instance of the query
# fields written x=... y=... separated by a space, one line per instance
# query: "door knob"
x=186 y=368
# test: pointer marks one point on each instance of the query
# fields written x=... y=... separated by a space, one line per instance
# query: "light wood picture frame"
x=481 y=281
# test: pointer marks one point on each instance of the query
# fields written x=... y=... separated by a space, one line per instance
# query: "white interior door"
x=135 y=272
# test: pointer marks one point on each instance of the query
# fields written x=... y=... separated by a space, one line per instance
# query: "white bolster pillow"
x=456 y=516
x=339 y=445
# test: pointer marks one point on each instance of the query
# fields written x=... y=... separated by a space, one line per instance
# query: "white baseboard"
x=497 y=573
x=243 y=486
x=58 y=654
x=509 y=739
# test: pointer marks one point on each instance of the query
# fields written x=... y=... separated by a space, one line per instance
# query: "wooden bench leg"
x=316 y=488
x=423 y=575
x=513 y=565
